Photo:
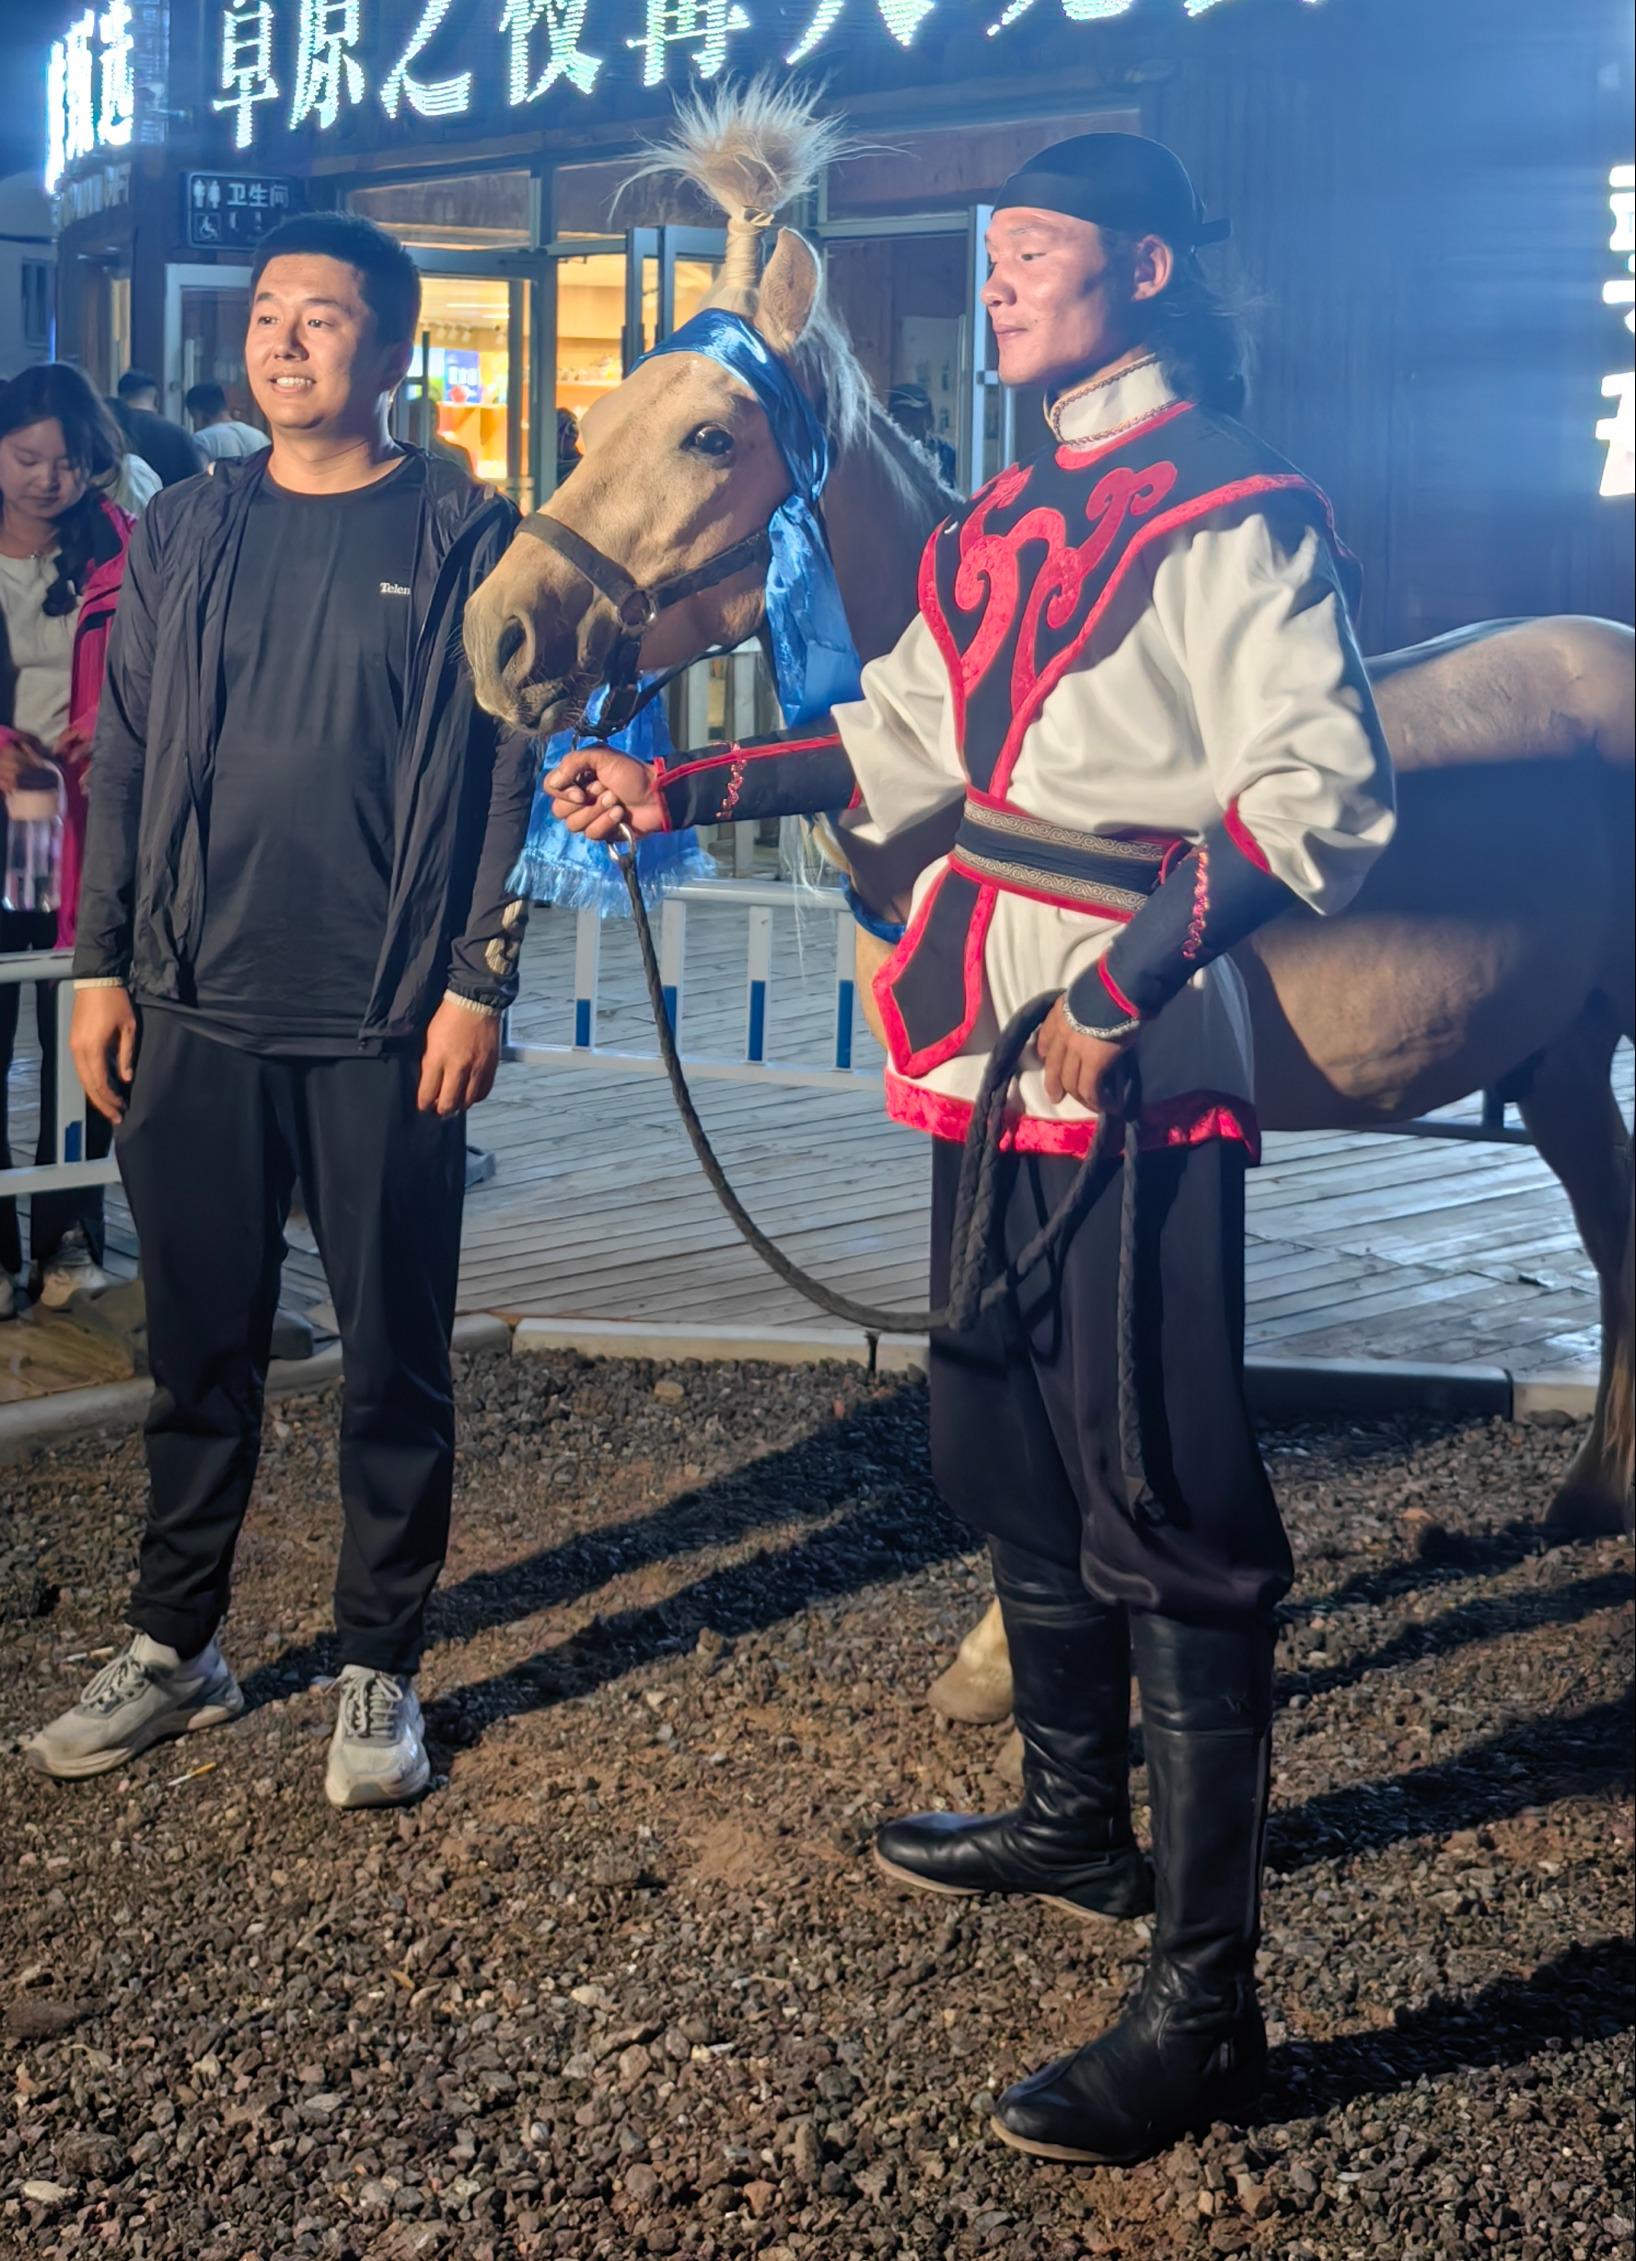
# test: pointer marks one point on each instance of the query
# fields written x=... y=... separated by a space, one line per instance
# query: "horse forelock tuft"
x=749 y=148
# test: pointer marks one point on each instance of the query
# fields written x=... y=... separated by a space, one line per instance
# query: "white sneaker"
x=72 y=1271
x=377 y=1755
x=146 y=1695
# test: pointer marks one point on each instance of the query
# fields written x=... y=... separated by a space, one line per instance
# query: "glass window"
x=592 y=200
x=463 y=396
x=467 y=212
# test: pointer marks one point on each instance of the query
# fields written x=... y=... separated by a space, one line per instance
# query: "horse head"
x=680 y=471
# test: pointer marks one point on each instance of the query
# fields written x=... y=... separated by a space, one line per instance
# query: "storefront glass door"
x=613 y=297
x=207 y=314
x=467 y=395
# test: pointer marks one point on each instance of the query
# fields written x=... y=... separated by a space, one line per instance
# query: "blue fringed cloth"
x=563 y=867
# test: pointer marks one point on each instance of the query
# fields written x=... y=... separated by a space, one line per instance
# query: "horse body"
x=1491 y=946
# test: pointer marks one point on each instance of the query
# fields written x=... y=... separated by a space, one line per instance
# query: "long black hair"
x=1199 y=333
x=52 y=391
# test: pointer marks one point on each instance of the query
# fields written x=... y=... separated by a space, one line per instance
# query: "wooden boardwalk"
x=1359 y=1246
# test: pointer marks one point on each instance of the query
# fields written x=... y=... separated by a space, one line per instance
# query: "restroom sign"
x=233 y=211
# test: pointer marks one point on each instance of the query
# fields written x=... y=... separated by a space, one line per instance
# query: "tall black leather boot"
x=1070 y=1840
x=1191 y=2049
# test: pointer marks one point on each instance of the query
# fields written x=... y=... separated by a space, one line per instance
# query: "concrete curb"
x=1281 y=1389
x=39 y=1421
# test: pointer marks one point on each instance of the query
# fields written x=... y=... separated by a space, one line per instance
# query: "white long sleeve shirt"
x=1224 y=674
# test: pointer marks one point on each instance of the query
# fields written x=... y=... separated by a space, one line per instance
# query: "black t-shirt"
x=298 y=855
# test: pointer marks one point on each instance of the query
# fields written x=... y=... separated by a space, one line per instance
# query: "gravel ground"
x=624 y=1983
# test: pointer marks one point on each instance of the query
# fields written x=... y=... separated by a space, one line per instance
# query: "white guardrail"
x=759 y=900
x=70 y=1168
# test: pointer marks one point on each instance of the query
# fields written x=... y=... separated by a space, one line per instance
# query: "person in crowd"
x=296 y=942
x=162 y=445
x=216 y=431
x=1147 y=732
x=910 y=408
x=569 y=452
x=62 y=559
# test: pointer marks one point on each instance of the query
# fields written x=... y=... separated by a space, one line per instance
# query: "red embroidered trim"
x=1040 y=894
x=661 y=779
x=1191 y=1119
x=1037 y=690
x=1244 y=839
x=899 y=1049
x=1193 y=942
x=1130 y=1011
x=773 y=752
x=735 y=786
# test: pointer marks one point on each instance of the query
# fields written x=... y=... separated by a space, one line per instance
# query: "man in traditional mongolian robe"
x=1133 y=699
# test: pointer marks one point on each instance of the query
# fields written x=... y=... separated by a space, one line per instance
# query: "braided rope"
x=970 y=1298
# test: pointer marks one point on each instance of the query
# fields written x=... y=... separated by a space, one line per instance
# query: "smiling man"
x=1133 y=700
x=295 y=945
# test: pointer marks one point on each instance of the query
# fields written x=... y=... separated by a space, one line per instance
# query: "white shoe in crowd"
x=72 y=1271
x=147 y=1694
x=377 y=1755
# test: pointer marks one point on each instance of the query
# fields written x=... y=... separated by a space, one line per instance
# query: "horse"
x=1491 y=947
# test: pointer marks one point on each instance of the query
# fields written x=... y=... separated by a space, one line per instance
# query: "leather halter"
x=637 y=608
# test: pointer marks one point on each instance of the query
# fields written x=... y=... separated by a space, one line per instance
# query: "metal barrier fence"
x=69 y=1166
x=759 y=900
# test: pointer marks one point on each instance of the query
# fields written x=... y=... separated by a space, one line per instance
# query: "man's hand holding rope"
x=601 y=793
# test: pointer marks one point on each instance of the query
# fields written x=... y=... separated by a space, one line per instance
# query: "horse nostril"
x=513 y=637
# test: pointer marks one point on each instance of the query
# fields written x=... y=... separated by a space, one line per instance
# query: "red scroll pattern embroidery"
x=997 y=578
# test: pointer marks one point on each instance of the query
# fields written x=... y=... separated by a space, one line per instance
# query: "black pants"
x=1024 y=1407
x=50 y=1214
x=211 y=1146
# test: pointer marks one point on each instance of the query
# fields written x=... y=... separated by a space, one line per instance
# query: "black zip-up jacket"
x=464 y=784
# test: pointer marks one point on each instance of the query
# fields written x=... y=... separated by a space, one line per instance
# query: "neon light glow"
x=79 y=90
x=566 y=60
x=902 y=18
x=116 y=107
x=442 y=98
x=247 y=67
x=327 y=75
x=1076 y=11
x=56 y=115
x=1618 y=431
x=709 y=24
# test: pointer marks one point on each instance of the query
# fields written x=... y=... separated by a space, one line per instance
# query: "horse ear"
x=791 y=284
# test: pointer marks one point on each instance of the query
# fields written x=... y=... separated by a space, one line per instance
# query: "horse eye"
x=709 y=439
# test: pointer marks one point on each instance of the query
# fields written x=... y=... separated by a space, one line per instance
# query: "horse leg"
x=1571 y=1113
x=977 y=1686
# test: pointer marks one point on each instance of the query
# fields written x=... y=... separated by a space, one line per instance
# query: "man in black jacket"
x=295 y=944
x=174 y=454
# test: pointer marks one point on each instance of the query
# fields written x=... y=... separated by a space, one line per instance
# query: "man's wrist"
x=1091 y=1007
x=100 y=981
x=474 y=1005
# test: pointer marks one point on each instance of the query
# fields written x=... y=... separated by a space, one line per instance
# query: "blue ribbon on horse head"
x=815 y=661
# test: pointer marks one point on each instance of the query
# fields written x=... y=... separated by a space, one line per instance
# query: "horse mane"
x=753 y=150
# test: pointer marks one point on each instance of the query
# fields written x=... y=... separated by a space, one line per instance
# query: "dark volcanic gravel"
x=624 y=1984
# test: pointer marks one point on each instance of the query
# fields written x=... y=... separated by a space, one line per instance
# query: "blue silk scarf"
x=815 y=662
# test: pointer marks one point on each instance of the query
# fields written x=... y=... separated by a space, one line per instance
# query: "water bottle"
x=33 y=879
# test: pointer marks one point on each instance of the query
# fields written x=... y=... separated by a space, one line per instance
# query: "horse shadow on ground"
x=1587 y=1993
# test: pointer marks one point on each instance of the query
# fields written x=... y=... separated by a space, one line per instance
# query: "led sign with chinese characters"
x=304 y=66
x=104 y=84
x=1618 y=431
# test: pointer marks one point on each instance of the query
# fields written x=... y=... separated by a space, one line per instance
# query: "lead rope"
x=969 y=1298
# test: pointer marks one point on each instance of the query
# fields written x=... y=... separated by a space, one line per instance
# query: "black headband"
x=1132 y=212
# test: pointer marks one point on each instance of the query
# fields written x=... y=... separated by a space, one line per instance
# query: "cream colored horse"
x=1493 y=944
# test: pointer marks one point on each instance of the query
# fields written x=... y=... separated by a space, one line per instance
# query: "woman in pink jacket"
x=62 y=558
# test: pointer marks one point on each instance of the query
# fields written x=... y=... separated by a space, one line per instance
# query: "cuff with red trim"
x=1210 y=902
x=762 y=777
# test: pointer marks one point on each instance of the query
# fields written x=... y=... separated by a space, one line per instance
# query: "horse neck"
x=880 y=505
